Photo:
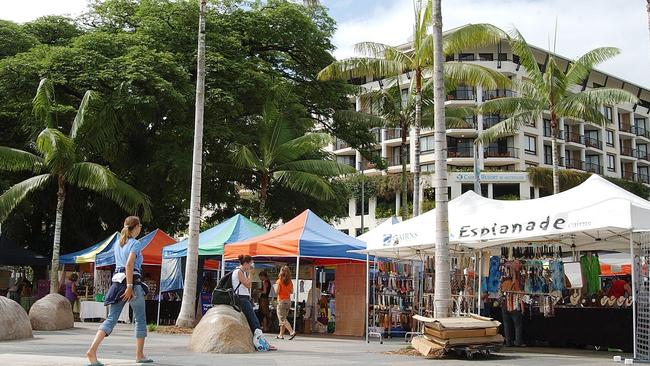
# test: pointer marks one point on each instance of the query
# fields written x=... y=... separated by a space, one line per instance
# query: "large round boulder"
x=14 y=322
x=222 y=330
x=52 y=312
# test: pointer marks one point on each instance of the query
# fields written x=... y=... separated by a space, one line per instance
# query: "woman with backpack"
x=284 y=290
x=241 y=284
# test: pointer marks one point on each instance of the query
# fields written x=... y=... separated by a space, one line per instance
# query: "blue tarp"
x=107 y=258
x=320 y=240
x=89 y=254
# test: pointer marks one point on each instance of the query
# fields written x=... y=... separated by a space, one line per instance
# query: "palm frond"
x=43 y=102
x=475 y=75
x=585 y=105
x=506 y=127
x=472 y=36
x=359 y=118
x=580 y=69
x=526 y=57
x=100 y=179
x=324 y=168
x=361 y=67
x=14 y=195
x=245 y=158
x=511 y=105
x=56 y=148
x=14 y=160
x=306 y=183
x=88 y=105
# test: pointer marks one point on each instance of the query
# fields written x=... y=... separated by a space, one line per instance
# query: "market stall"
x=534 y=237
x=311 y=242
x=211 y=244
x=22 y=285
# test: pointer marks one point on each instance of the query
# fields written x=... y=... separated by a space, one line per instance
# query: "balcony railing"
x=628 y=175
x=641 y=131
x=574 y=164
x=460 y=152
x=625 y=127
x=593 y=168
x=396 y=160
x=462 y=94
x=642 y=155
x=628 y=151
x=393 y=133
x=548 y=160
x=575 y=138
x=350 y=161
x=491 y=121
x=500 y=152
x=592 y=142
x=547 y=133
x=498 y=93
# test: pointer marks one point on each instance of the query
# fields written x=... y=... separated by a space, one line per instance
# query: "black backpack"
x=224 y=294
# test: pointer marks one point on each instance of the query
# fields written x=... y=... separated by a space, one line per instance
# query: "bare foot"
x=92 y=357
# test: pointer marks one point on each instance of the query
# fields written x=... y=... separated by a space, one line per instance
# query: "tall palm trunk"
x=442 y=303
x=186 y=317
x=56 y=247
x=554 y=154
x=648 y=9
x=416 y=142
x=264 y=193
x=403 y=155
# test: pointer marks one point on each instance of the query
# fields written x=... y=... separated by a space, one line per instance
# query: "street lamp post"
x=363 y=195
x=477 y=171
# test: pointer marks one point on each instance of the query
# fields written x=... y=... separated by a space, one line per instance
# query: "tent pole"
x=295 y=291
x=159 y=297
x=480 y=281
x=223 y=266
x=633 y=269
x=367 y=293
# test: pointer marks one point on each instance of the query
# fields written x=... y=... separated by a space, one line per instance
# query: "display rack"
x=393 y=293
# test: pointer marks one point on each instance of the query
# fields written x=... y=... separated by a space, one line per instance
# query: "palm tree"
x=278 y=156
x=381 y=60
x=648 y=9
x=396 y=111
x=442 y=305
x=550 y=91
x=61 y=160
x=186 y=316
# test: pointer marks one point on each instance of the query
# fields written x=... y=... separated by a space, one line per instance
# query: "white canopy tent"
x=596 y=215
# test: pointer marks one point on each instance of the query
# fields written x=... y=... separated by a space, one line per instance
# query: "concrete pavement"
x=68 y=347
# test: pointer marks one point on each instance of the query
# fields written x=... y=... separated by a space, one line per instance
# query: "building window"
x=515 y=59
x=610 y=138
x=366 y=206
x=358 y=231
x=426 y=144
x=611 y=163
x=486 y=57
x=532 y=193
x=427 y=168
x=506 y=191
x=503 y=57
x=466 y=187
x=345 y=231
x=531 y=165
x=608 y=114
x=530 y=144
x=466 y=57
x=449 y=57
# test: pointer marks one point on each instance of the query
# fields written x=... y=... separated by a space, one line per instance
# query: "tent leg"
x=295 y=290
x=159 y=298
x=633 y=269
x=367 y=294
x=223 y=266
x=480 y=281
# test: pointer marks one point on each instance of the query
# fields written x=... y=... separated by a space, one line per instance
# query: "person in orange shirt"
x=284 y=288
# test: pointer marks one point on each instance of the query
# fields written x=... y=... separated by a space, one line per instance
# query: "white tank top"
x=242 y=290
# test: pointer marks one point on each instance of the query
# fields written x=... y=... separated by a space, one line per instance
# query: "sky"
x=582 y=24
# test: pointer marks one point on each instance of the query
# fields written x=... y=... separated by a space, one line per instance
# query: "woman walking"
x=126 y=287
x=284 y=290
x=71 y=289
x=264 y=300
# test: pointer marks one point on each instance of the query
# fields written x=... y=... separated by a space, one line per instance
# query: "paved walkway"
x=68 y=347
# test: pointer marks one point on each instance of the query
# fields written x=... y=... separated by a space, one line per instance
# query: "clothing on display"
x=590 y=265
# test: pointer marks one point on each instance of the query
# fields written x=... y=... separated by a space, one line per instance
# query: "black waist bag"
x=224 y=294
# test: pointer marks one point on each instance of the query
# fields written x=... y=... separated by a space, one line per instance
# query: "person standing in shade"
x=264 y=300
x=284 y=289
x=71 y=289
x=125 y=287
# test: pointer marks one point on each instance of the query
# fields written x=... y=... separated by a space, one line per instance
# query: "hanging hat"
x=604 y=301
x=629 y=301
x=620 y=301
x=575 y=299
x=612 y=300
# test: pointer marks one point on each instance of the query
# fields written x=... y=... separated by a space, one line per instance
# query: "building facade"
x=618 y=149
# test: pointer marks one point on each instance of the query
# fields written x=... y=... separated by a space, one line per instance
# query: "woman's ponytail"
x=129 y=224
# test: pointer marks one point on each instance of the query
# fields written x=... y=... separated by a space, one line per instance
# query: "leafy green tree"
x=550 y=91
x=62 y=160
x=280 y=156
x=14 y=39
x=54 y=30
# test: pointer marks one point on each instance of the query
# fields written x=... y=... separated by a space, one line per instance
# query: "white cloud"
x=22 y=11
x=582 y=25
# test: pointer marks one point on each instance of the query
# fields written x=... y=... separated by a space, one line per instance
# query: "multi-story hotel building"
x=617 y=149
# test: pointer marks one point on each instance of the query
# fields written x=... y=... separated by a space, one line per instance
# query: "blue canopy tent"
x=89 y=254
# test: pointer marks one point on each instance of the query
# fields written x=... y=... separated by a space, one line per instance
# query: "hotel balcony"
x=462 y=95
x=498 y=93
x=594 y=143
x=501 y=152
x=575 y=138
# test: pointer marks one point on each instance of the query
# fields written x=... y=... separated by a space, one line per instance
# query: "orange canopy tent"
x=152 y=243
